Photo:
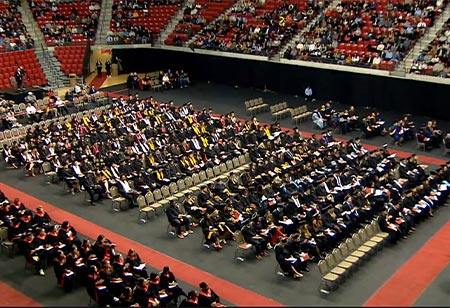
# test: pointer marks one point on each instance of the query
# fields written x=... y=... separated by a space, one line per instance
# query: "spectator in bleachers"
x=354 y=23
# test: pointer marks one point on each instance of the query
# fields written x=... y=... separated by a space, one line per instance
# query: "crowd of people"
x=400 y=131
x=385 y=31
x=196 y=16
x=254 y=27
x=167 y=79
x=64 y=21
x=434 y=59
x=13 y=33
x=138 y=22
x=110 y=278
x=36 y=110
x=313 y=192
x=345 y=121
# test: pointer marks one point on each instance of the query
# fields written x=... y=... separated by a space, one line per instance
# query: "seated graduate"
x=191 y=300
x=287 y=262
x=169 y=283
x=177 y=220
x=207 y=297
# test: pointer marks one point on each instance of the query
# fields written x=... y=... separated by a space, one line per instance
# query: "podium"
x=114 y=69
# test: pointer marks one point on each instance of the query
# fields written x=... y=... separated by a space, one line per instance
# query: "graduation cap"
x=302 y=222
x=326 y=208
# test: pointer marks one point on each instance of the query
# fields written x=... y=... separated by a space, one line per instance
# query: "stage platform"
x=18 y=97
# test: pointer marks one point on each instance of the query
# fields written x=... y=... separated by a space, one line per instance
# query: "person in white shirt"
x=166 y=81
x=31 y=113
x=317 y=119
x=376 y=61
x=127 y=192
x=30 y=98
x=61 y=106
x=308 y=93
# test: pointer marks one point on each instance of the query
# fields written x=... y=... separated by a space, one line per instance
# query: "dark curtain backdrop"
x=401 y=95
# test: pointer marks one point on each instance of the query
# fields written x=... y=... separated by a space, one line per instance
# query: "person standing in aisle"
x=308 y=94
x=99 y=66
x=108 y=68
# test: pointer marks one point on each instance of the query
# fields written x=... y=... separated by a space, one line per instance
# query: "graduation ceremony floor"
x=415 y=272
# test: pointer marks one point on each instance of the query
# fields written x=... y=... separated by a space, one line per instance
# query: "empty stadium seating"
x=26 y=58
x=71 y=58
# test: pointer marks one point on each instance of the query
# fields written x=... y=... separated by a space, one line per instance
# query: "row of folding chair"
x=300 y=113
x=10 y=135
x=256 y=105
x=350 y=255
x=158 y=199
x=280 y=110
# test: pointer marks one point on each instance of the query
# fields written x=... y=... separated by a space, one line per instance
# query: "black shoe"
x=307 y=269
x=93 y=204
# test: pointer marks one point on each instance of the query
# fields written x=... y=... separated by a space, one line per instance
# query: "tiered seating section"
x=14 y=36
x=196 y=16
x=376 y=34
x=67 y=22
x=137 y=22
x=434 y=59
x=10 y=60
x=256 y=28
x=71 y=58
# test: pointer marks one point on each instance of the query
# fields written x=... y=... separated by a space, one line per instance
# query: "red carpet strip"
x=409 y=282
x=10 y=297
x=98 y=81
x=423 y=159
x=226 y=290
